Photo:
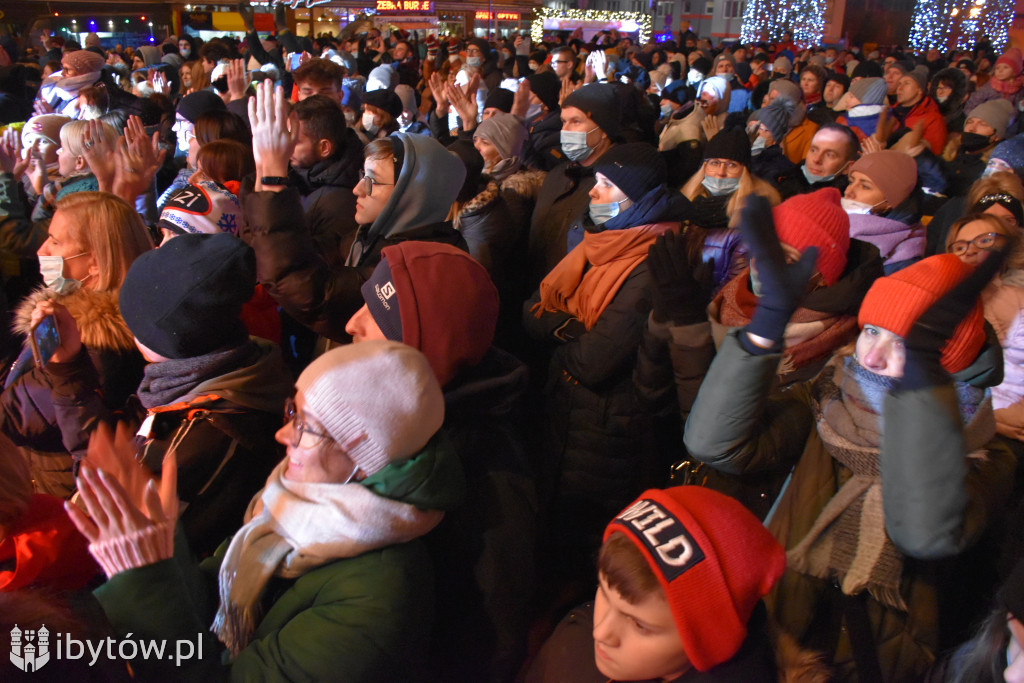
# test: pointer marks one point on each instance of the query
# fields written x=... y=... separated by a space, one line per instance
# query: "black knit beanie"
x=599 y=101
x=636 y=168
x=184 y=299
x=546 y=86
x=731 y=143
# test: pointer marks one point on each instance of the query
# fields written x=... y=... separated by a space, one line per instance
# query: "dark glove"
x=783 y=285
x=931 y=331
x=681 y=293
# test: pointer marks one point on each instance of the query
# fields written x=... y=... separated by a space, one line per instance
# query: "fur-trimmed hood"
x=524 y=183
x=97 y=314
x=481 y=201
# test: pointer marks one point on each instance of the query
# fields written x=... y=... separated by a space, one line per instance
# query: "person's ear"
x=80 y=163
x=324 y=148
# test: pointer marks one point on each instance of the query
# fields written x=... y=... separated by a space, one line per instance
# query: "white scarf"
x=292 y=527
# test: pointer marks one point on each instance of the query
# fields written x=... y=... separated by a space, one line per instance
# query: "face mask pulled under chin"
x=855 y=208
x=52 y=270
x=574 y=144
x=812 y=179
x=719 y=187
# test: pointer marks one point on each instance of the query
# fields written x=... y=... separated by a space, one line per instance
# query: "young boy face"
x=636 y=641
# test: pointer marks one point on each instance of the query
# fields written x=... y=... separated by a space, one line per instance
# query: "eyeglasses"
x=719 y=164
x=302 y=435
x=986 y=242
x=372 y=181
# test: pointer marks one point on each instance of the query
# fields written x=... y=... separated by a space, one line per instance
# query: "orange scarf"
x=588 y=278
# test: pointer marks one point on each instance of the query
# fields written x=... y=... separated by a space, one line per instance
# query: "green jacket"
x=936 y=501
x=365 y=618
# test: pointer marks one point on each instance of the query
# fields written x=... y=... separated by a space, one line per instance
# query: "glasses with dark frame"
x=371 y=180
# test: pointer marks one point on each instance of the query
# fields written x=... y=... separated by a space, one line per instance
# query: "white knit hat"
x=379 y=400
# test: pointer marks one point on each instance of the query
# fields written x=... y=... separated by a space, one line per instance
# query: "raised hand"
x=521 y=100
x=437 y=89
x=464 y=101
x=11 y=154
x=782 y=284
x=129 y=519
x=139 y=157
x=237 y=79
x=101 y=154
x=275 y=130
x=67 y=329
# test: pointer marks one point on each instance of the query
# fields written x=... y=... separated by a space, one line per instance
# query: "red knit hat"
x=817 y=220
x=713 y=559
x=896 y=302
x=448 y=304
x=1011 y=58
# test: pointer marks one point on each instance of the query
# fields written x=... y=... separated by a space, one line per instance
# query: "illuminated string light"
x=642 y=20
x=943 y=24
x=768 y=20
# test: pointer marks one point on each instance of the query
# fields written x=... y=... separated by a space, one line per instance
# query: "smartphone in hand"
x=44 y=340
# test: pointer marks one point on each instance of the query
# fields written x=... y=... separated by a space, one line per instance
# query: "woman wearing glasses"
x=327 y=578
x=717 y=191
x=972 y=238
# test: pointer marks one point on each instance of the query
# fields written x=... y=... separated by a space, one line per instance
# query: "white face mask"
x=370 y=123
x=533 y=111
x=52 y=270
x=855 y=208
x=758 y=146
x=474 y=62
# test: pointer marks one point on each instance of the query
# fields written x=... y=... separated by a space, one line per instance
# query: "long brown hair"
x=110 y=229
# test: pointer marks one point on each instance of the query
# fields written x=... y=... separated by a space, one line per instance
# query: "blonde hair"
x=73 y=132
x=15 y=484
x=110 y=229
x=749 y=184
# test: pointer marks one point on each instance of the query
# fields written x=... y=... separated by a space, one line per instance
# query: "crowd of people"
x=597 y=360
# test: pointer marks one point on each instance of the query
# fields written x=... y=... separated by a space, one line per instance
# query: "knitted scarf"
x=173 y=380
x=848 y=541
x=588 y=278
x=1009 y=87
x=293 y=527
x=810 y=335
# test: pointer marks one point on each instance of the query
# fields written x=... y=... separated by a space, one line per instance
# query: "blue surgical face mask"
x=811 y=178
x=533 y=111
x=602 y=213
x=474 y=62
x=52 y=270
x=666 y=110
x=720 y=186
x=758 y=146
x=574 y=144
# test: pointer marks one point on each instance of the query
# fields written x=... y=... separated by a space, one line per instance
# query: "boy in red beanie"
x=681 y=575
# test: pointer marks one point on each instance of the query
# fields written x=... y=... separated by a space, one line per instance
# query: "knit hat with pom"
x=713 y=559
x=895 y=302
x=379 y=400
x=816 y=219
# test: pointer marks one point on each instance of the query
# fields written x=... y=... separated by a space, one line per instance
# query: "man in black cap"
x=537 y=103
x=211 y=392
x=591 y=121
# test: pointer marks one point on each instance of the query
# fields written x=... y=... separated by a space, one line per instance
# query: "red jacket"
x=47 y=549
x=934 y=123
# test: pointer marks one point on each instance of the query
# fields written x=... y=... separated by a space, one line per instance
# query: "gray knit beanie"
x=869 y=90
x=378 y=400
x=995 y=113
x=506 y=132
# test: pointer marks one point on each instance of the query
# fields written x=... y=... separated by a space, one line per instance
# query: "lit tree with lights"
x=944 y=24
x=770 y=19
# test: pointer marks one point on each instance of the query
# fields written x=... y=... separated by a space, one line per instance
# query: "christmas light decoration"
x=945 y=24
x=769 y=20
x=640 y=19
